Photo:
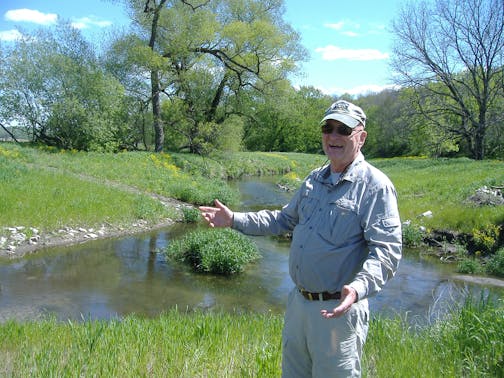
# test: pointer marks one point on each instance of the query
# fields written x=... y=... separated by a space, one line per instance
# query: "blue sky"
x=349 y=42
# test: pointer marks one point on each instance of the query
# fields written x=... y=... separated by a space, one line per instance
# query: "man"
x=346 y=244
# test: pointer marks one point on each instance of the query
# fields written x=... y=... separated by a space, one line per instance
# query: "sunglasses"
x=340 y=129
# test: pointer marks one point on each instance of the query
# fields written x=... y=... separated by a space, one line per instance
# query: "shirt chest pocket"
x=341 y=220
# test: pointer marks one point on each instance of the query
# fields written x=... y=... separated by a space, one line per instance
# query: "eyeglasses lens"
x=340 y=129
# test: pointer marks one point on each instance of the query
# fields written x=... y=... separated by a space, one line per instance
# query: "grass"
x=174 y=345
x=444 y=186
x=49 y=200
x=216 y=251
x=65 y=187
x=468 y=343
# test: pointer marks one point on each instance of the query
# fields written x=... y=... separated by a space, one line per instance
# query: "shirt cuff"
x=360 y=288
x=239 y=220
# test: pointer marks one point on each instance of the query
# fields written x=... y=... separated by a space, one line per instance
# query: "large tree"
x=205 y=54
x=451 y=53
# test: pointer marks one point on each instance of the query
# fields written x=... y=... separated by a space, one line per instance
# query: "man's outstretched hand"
x=348 y=298
x=219 y=216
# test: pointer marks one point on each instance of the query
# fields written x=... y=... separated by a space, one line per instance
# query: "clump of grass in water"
x=217 y=251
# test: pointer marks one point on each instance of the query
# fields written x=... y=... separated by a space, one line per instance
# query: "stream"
x=113 y=278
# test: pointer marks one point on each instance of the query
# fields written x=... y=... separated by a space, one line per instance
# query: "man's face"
x=341 y=149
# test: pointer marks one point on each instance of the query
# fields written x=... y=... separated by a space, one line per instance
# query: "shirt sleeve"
x=383 y=235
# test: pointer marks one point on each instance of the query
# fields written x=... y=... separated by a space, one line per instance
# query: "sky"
x=348 y=42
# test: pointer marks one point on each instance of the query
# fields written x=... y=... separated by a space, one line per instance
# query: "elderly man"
x=346 y=244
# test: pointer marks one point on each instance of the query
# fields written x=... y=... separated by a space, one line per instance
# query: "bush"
x=191 y=214
x=486 y=237
x=412 y=235
x=469 y=266
x=217 y=251
x=495 y=265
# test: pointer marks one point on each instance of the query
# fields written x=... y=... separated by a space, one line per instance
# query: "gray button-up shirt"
x=347 y=233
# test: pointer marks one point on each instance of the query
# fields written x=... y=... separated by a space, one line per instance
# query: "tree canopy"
x=205 y=75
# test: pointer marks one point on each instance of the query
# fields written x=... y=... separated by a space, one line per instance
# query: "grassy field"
x=177 y=344
x=46 y=188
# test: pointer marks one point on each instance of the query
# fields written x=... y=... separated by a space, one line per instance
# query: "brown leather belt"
x=324 y=296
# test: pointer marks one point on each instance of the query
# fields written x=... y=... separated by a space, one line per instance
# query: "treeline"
x=213 y=75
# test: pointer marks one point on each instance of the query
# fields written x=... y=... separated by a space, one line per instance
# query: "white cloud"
x=86 y=22
x=350 y=34
x=331 y=52
x=353 y=29
x=336 y=26
x=10 y=35
x=30 y=15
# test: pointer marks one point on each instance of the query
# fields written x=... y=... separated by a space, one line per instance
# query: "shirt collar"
x=349 y=174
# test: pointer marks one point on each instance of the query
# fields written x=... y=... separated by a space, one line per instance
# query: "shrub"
x=191 y=214
x=469 y=266
x=486 y=237
x=412 y=235
x=495 y=264
x=217 y=251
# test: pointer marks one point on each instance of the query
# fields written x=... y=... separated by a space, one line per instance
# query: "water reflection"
x=116 y=277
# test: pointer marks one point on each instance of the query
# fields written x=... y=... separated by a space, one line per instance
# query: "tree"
x=287 y=120
x=52 y=85
x=451 y=53
x=208 y=54
x=387 y=124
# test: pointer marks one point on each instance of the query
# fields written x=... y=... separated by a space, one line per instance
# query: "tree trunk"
x=155 y=90
x=156 y=113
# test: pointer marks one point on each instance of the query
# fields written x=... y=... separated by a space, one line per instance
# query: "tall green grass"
x=174 y=345
x=468 y=343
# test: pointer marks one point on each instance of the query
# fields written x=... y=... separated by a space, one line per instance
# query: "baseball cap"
x=346 y=112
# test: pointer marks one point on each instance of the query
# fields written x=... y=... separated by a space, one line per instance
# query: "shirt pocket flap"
x=390 y=222
x=345 y=204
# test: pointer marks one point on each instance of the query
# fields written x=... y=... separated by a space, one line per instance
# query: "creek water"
x=113 y=278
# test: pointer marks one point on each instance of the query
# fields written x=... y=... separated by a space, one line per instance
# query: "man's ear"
x=362 y=137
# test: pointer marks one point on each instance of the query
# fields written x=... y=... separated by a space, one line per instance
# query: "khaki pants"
x=317 y=347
